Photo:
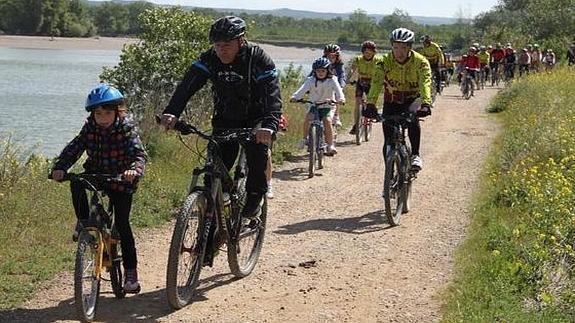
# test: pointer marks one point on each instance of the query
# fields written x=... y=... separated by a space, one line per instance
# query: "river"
x=42 y=92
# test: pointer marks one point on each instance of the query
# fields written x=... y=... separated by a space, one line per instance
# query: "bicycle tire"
x=312 y=137
x=243 y=266
x=358 y=126
x=86 y=259
x=116 y=278
x=392 y=188
x=320 y=147
x=367 y=131
x=180 y=296
x=407 y=198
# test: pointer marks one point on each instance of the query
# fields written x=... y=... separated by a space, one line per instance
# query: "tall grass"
x=517 y=264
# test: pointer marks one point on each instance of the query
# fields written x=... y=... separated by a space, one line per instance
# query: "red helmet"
x=368 y=44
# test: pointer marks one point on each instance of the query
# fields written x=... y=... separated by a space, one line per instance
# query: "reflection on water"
x=42 y=92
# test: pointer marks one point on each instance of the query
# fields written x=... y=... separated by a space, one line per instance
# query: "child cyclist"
x=333 y=53
x=322 y=86
x=113 y=147
x=363 y=65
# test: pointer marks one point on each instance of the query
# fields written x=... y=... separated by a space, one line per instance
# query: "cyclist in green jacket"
x=405 y=77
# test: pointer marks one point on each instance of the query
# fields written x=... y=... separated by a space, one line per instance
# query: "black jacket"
x=239 y=94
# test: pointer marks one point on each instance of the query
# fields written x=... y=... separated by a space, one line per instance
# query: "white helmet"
x=402 y=35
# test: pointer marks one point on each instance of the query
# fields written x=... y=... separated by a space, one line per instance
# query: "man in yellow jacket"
x=434 y=55
x=405 y=77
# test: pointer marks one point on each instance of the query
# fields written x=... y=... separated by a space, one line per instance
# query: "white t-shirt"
x=320 y=90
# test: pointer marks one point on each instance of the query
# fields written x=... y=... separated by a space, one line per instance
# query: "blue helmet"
x=321 y=62
x=103 y=94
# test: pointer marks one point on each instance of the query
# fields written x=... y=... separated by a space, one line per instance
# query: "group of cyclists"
x=246 y=94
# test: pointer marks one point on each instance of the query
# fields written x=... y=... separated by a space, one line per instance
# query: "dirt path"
x=365 y=271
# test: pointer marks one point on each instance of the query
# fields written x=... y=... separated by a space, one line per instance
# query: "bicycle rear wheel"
x=393 y=188
x=312 y=144
x=245 y=245
x=86 y=283
x=366 y=130
x=115 y=270
x=187 y=250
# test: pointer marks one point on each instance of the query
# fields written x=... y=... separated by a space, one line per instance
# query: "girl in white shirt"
x=322 y=87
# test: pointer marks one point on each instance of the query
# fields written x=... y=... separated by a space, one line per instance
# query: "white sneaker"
x=302 y=144
x=336 y=121
x=331 y=150
x=416 y=162
x=270 y=192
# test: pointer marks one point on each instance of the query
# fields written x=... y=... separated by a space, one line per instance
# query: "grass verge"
x=517 y=262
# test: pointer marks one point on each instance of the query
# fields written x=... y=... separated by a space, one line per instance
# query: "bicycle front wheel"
x=86 y=281
x=116 y=278
x=245 y=245
x=366 y=130
x=312 y=144
x=187 y=250
x=358 y=126
x=393 y=193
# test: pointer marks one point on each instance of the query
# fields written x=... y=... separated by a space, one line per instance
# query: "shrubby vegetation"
x=518 y=263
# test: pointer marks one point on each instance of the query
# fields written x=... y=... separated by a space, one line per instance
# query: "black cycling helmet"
x=331 y=48
x=368 y=44
x=227 y=28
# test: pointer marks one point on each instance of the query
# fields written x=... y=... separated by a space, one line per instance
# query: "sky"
x=429 y=8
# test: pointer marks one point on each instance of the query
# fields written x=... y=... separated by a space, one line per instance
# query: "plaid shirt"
x=110 y=151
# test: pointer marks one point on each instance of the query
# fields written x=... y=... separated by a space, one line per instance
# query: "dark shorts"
x=362 y=86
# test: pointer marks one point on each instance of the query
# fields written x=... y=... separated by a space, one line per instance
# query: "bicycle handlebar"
x=232 y=134
x=402 y=117
x=329 y=102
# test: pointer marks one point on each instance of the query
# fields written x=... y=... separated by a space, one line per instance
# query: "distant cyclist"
x=322 y=86
x=333 y=53
x=434 y=55
x=405 y=77
x=363 y=65
x=484 y=58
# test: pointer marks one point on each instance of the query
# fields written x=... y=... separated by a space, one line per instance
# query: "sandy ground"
x=365 y=270
x=110 y=43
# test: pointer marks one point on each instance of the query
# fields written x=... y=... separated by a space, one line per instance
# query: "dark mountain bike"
x=363 y=125
x=399 y=174
x=211 y=217
x=315 y=138
x=467 y=85
x=98 y=247
x=496 y=74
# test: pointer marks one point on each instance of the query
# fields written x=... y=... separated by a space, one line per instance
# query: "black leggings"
x=413 y=129
x=122 y=204
x=256 y=154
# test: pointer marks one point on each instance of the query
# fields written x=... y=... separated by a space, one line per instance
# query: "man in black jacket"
x=246 y=94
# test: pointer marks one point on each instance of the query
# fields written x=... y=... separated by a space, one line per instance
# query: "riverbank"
x=117 y=43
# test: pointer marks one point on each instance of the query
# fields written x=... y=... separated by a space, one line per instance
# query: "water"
x=42 y=93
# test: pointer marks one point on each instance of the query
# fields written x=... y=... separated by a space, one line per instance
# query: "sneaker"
x=270 y=192
x=131 y=284
x=416 y=162
x=253 y=208
x=302 y=144
x=336 y=121
x=353 y=130
x=76 y=232
x=331 y=150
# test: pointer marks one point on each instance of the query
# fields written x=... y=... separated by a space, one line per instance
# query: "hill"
x=300 y=14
